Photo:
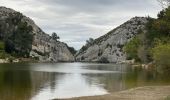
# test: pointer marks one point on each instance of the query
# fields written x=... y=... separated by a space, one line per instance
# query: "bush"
x=1 y=46
x=72 y=50
x=131 y=48
x=4 y=55
x=103 y=60
x=17 y=35
x=161 y=55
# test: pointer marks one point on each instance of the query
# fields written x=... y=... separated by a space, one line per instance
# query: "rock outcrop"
x=43 y=47
x=109 y=47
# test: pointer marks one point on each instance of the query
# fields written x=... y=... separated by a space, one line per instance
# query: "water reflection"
x=65 y=80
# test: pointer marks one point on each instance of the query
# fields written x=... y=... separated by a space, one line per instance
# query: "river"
x=45 y=81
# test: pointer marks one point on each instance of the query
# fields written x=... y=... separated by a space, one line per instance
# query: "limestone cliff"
x=109 y=47
x=42 y=46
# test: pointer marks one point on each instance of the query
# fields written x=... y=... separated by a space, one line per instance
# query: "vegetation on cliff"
x=21 y=38
x=153 y=45
x=16 y=36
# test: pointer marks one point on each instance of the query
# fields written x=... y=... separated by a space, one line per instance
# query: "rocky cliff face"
x=109 y=48
x=47 y=49
x=43 y=46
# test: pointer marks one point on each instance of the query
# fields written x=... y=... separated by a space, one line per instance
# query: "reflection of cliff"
x=112 y=82
x=23 y=85
x=40 y=80
x=129 y=77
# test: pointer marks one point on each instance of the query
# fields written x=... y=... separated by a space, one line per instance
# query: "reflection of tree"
x=23 y=85
x=137 y=76
x=133 y=77
x=15 y=85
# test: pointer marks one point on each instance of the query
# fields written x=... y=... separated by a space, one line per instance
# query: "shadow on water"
x=65 y=80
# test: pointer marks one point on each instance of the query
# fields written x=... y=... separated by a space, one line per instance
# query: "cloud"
x=77 y=20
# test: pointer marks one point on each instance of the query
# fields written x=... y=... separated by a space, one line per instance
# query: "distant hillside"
x=21 y=37
x=109 y=47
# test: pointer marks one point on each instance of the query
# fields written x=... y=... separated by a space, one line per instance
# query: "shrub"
x=4 y=55
x=72 y=50
x=131 y=48
x=161 y=55
x=103 y=60
x=17 y=35
x=1 y=46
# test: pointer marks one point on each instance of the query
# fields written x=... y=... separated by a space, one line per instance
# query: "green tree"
x=17 y=35
x=161 y=55
x=55 y=36
x=72 y=50
x=89 y=42
x=2 y=46
x=131 y=49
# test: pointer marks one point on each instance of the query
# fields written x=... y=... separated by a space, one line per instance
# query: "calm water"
x=65 y=80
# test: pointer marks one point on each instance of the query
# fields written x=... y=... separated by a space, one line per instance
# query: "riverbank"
x=16 y=60
x=140 y=93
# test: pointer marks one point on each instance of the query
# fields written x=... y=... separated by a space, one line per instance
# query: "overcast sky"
x=77 y=20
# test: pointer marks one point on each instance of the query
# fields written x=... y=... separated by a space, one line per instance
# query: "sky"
x=75 y=21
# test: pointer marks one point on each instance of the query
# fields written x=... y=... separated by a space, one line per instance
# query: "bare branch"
x=164 y=3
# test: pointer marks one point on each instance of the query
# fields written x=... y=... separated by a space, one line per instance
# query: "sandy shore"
x=140 y=93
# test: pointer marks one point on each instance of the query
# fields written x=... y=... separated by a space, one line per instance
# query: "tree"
x=90 y=41
x=55 y=36
x=17 y=36
x=161 y=55
x=72 y=50
x=103 y=60
x=131 y=48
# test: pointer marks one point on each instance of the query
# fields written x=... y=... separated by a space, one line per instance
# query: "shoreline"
x=139 y=93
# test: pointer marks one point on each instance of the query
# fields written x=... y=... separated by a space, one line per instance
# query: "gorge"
x=43 y=47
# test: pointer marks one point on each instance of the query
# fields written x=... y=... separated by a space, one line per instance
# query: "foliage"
x=55 y=36
x=89 y=42
x=72 y=50
x=131 y=48
x=140 y=47
x=161 y=55
x=1 y=46
x=158 y=28
x=103 y=60
x=84 y=48
x=4 y=55
x=17 y=35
